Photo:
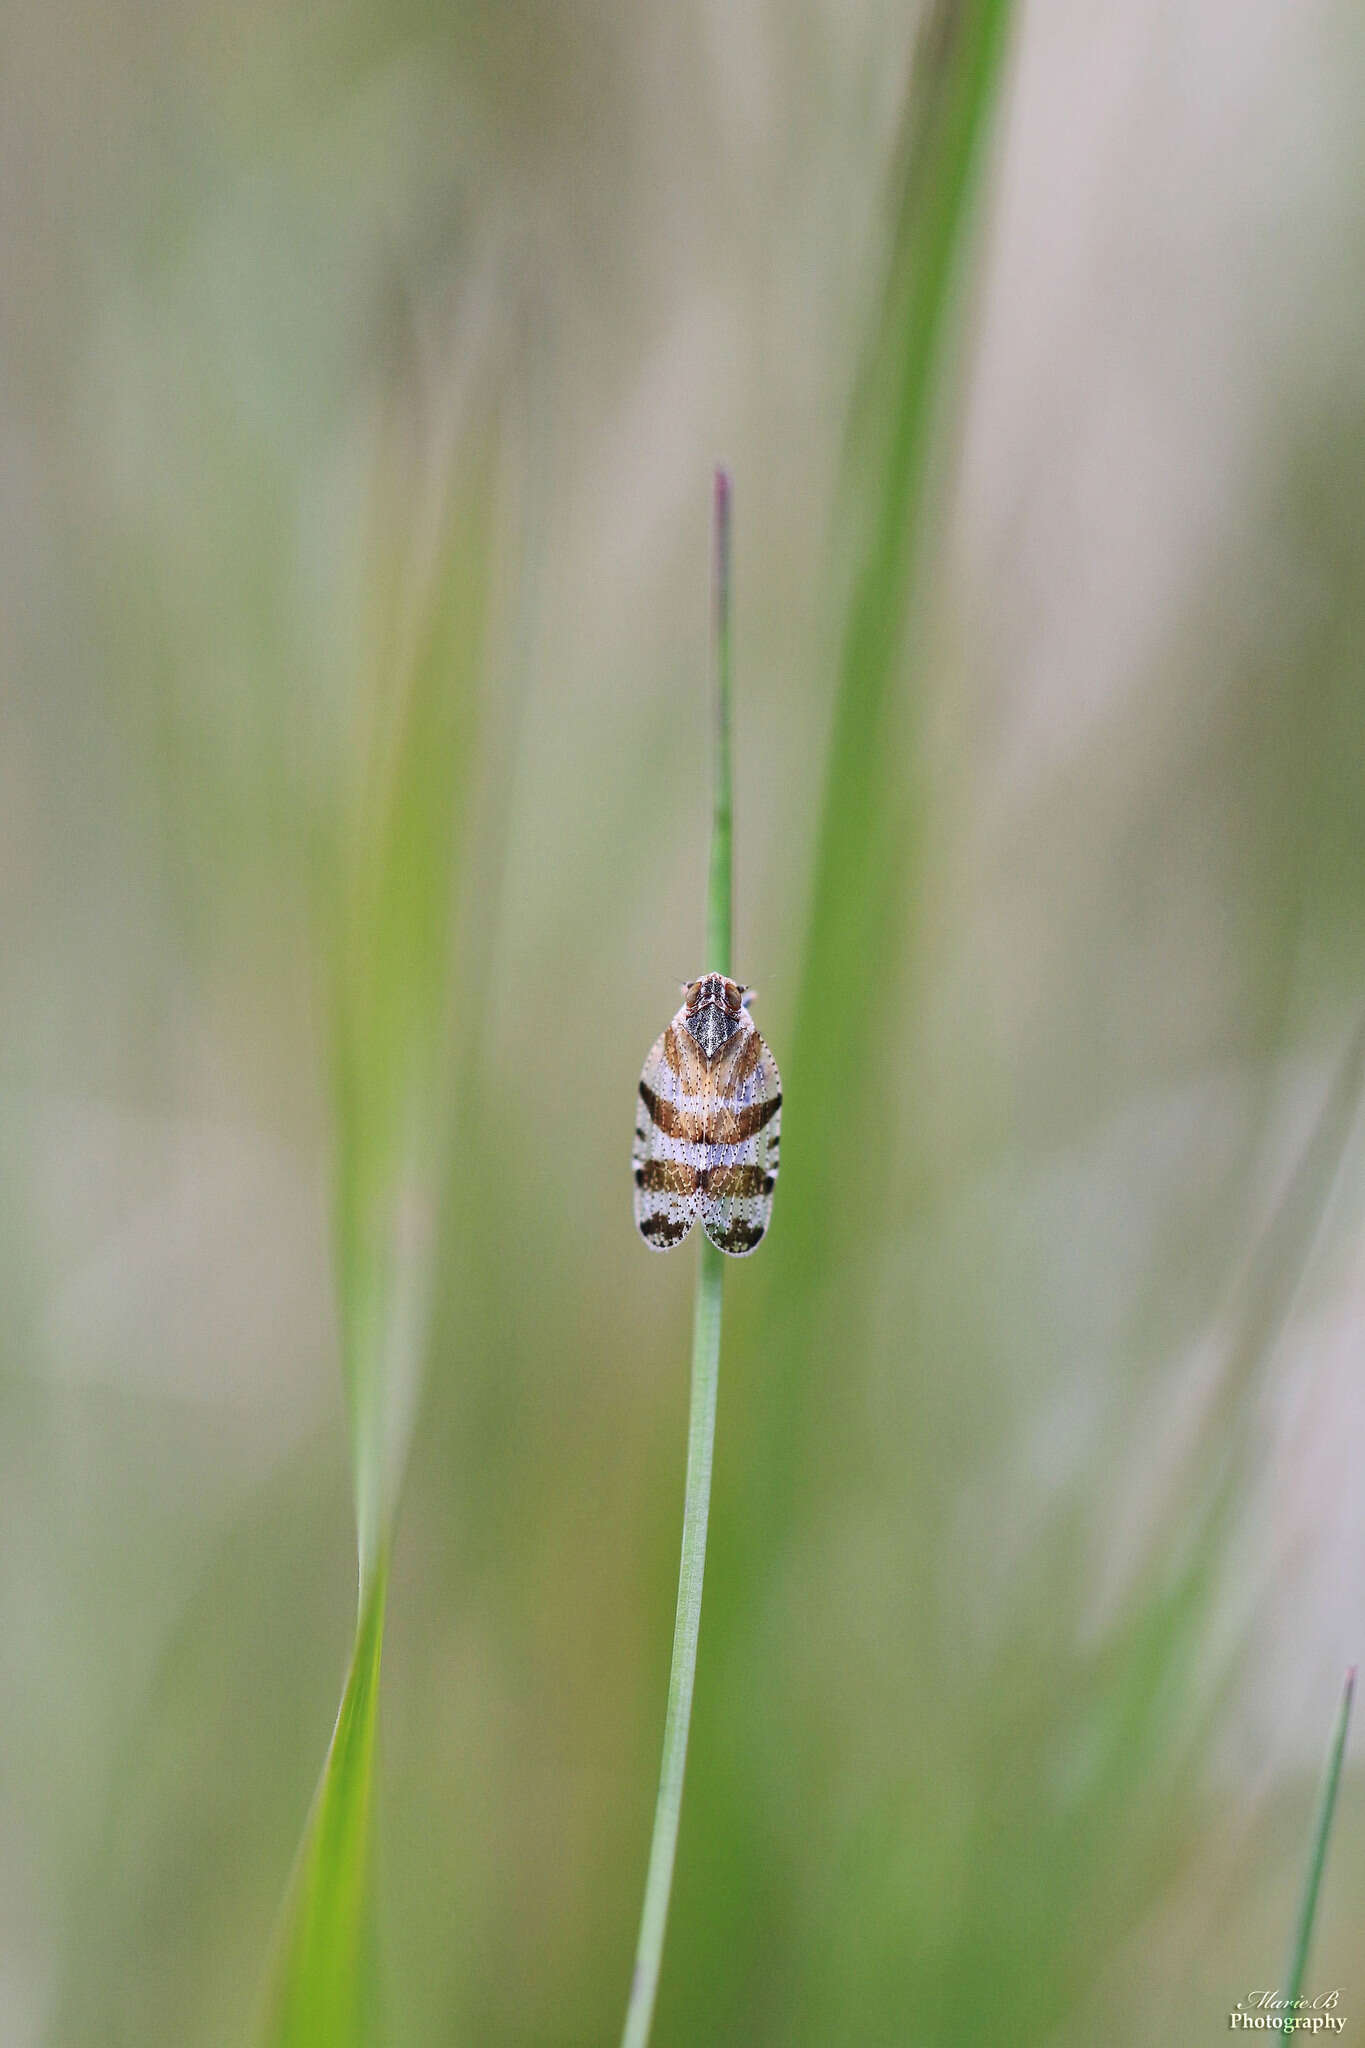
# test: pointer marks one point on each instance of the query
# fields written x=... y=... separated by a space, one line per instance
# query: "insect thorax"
x=713 y=1012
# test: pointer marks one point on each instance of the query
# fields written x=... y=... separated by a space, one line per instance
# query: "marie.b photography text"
x=1270 y=2012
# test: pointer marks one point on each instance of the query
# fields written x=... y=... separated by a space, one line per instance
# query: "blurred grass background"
x=1038 y=1544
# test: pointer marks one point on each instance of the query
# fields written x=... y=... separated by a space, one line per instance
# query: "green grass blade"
x=863 y=880
x=701 y=1428
x=394 y=1032
x=1317 y=1858
x=883 y=521
x=394 y=1002
x=320 y=1990
x=682 y=1675
x=720 y=889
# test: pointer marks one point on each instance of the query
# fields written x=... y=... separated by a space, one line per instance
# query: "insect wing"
x=742 y=1154
x=669 y=1154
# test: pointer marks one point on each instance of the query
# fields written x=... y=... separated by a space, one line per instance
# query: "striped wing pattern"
x=706 y=1140
x=670 y=1116
x=746 y=1121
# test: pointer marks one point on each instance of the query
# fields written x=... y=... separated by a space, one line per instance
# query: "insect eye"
x=691 y=994
x=733 y=997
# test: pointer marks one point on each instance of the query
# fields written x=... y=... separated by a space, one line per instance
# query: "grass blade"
x=701 y=1428
x=320 y=1988
x=394 y=1032
x=701 y=1432
x=1317 y=1857
x=720 y=885
x=863 y=882
x=859 y=877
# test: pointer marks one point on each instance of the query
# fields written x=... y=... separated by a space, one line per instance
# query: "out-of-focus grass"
x=864 y=890
x=1317 y=1849
x=395 y=993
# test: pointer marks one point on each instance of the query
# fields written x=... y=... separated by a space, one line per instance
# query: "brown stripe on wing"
x=733 y=1126
x=674 y=1053
x=668 y=1177
x=747 y=1056
x=736 y=1180
x=671 y=1118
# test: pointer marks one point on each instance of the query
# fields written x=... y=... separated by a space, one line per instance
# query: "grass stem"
x=720 y=894
x=1322 y=1829
x=701 y=1427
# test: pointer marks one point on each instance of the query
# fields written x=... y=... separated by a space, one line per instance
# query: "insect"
x=707 y=1123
